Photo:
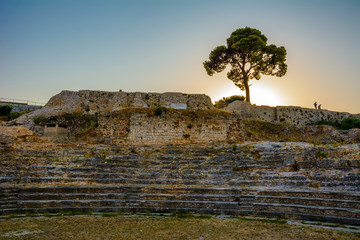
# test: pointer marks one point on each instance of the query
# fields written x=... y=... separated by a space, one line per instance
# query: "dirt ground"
x=125 y=227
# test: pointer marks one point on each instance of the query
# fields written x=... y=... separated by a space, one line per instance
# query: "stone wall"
x=55 y=130
x=144 y=126
x=92 y=102
x=295 y=116
x=96 y=102
x=176 y=127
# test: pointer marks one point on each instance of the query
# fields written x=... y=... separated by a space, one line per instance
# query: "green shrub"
x=320 y=154
x=158 y=109
x=335 y=124
x=183 y=215
x=204 y=216
x=38 y=120
x=234 y=147
x=227 y=100
x=109 y=214
x=349 y=123
x=346 y=124
x=92 y=124
x=14 y=115
x=5 y=110
x=295 y=167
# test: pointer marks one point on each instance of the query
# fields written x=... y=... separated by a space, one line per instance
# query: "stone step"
x=140 y=196
x=163 y=193
x=167 y=181
x=70 y=196
x=176 y=207
x=198 y=197
x=312 y=194
x=205 y=180
x=160 y=204
x=166 y=204
x=303 y=209
x=228 y=176
x=134 y=209
x=308 y=217
x=134 y=189
x=340 y=203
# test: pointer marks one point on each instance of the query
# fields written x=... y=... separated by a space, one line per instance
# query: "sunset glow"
x=267 y=96
x=260 y=95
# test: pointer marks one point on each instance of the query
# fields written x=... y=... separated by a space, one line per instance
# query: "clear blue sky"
x=47 y=46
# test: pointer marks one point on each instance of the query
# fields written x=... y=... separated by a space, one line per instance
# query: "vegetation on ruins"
x=249 y=56
x=5 y=110
x=158 y=109
x=227 y=100
x=7 y=113
x=346 y=124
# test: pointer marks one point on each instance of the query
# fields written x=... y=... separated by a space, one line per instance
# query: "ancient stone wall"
x=178 y=127
x=92 y=102
x=295 y=116
x=303 y=116
x=144 y=126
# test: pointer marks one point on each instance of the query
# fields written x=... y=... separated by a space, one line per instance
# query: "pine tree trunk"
x=247 y=90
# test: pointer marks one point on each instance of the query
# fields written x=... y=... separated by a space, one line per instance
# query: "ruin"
x=109 y=152
x=295 y=116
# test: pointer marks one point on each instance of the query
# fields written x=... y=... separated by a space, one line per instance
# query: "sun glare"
x=265 y=96
x=260 y=95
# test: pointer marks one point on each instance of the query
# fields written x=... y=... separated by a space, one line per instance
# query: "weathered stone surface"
x=6 y=140
x=143 y=126
x=295 y=116
x=267 y=179
x=15 y=131
x=354 y=135
x=91 y=102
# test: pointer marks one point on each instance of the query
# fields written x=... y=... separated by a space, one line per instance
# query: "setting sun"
x=260 y=94
x=266 y=96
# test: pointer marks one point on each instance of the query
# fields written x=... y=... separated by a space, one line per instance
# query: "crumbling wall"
x=298 y=116
x=295 y=116
x=248 y=111
x=92 y=102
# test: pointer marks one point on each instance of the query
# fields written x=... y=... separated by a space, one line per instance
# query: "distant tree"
x=227 y=100
x=5 y=110
x=249 y=58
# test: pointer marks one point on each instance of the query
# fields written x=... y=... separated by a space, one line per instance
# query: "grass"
x=175 y=227
x=320 y=154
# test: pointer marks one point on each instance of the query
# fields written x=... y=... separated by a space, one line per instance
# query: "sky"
x=47 y=46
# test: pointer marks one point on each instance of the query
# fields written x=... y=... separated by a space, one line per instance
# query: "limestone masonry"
x=95 y=102
x=92 y=102
x=295 y=116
